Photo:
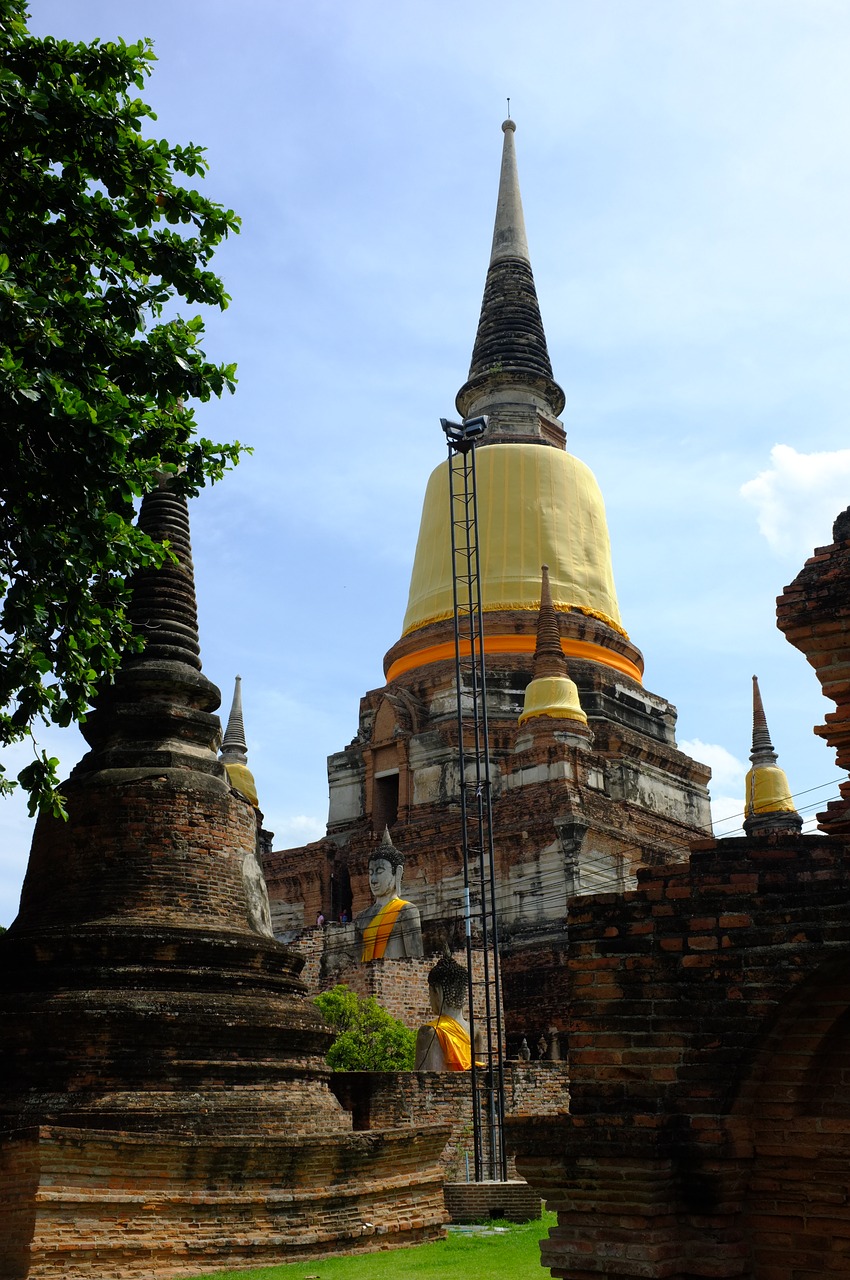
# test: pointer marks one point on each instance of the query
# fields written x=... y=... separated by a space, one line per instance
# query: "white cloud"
x=727 y=783
x=727 y=771
x=799 y=496
x=293 y=830
x=727 y=813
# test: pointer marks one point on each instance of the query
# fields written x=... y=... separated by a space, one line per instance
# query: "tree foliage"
x=100 y=235
x=368 y=1038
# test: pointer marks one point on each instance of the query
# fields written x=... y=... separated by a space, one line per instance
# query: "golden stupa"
x=537 y=503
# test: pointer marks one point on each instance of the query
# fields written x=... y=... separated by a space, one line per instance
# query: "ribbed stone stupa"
x=164 y=1100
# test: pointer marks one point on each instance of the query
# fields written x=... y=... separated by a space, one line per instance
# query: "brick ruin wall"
x=173 y=1207
x=378 y=1099
x=709 y=1132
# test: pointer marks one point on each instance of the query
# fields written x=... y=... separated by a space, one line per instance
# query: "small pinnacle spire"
x=510 y=374
x=768 y=804
x=551 y=692
x=549 y=659
x=762 y=752
x=509 y=238
x=234 y=748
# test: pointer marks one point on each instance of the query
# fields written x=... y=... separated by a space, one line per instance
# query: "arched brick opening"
x=792 y=1119
x=387 y=790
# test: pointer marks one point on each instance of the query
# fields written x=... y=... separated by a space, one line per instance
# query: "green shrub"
x=367 y=1037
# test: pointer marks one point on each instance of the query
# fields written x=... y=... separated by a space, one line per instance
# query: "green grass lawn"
x=514 y=1254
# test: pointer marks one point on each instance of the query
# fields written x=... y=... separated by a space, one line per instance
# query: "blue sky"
x=686 y=183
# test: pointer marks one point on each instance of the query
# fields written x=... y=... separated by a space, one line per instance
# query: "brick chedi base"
x=164 y=1100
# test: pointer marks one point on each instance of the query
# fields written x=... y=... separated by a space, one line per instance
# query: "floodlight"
x=461 y=436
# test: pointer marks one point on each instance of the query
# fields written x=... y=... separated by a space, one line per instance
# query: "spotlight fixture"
x=461 y=436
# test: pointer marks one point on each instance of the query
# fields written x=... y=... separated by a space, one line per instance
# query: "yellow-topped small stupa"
x=551 y=693
x=234 y=749
x=768 y=803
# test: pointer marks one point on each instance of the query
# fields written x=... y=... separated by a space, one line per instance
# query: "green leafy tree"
x=368 y=1038
x=101 y=237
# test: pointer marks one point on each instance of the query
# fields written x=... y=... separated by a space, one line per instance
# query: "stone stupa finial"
x=163 y=608
x=234 y=749
x=549 y=657
x=509 y=238
x=551 y=691
x=510 y=375
x=762 y=752
x=768 y=805
x=158 y=712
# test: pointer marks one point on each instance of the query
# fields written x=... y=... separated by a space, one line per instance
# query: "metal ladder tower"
x=479 y=875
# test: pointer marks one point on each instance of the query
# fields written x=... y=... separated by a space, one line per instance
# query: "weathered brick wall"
x=534 y=981
x=708 y=1132
x=515 y=1201
x=158 y=848
x=378 y=1099
x=311 y=944
x=150 y=1207
x=814 y=614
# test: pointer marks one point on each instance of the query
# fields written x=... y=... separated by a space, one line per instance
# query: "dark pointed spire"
x=510 y=376
x=163 y=609
x=158 y=712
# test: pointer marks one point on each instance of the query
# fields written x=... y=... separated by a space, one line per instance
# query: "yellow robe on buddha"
x=376 y=935
x=454 y=1042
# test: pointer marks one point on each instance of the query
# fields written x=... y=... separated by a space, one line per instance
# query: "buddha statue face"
x=435 y=998
x=383 y=877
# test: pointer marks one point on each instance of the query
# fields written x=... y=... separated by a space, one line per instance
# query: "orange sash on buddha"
x=377 y=932
x=454 y=1042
